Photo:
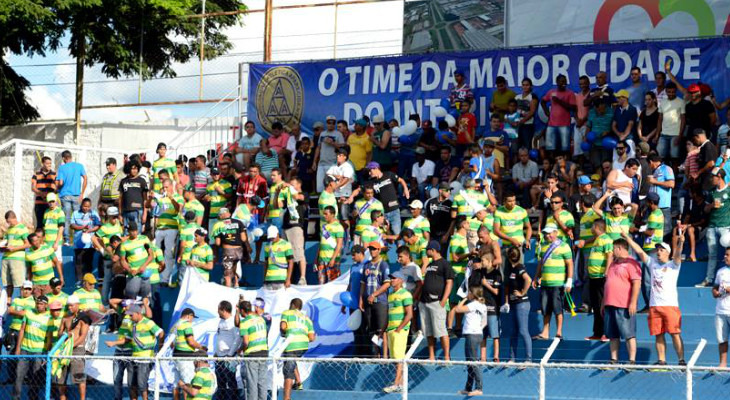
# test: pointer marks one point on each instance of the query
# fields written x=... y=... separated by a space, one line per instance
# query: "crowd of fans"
x=604 y=190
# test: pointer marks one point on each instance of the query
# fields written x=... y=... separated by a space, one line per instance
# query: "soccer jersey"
x=106 y=232
x=143 y=336
x=168 y=218
x=125 y=330
x=161 y=164
x=16 y=236
x=183 y=330
x=217 y=200
x=88 y=300
x=284 y=197
x=153 y=267
x=203 y=381
x=567 y=219
x=465 y=200
x=554 y=267
x=457 y=247
x=195 y=206
x=327 y=199
x=187 y=240
x=135 y=251
x=328 y=241
x=586 y=222
x=397 y=303
x=20 y=304
x=655 y=222
x=253 y=328
x=204 y=254
x=418 y=225
x=278 y=256
x=52 y=219
x=37 y=326
x=60 y=297
x=511 y=222
x=41 y=264
x=598 y=252
x=298 y=328
x=418 y=251
x=364 y=210
x=616 y=225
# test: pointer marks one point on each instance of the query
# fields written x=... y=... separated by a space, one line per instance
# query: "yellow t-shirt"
x=360 y=146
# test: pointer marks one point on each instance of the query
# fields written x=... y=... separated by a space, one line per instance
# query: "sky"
x=363 y=30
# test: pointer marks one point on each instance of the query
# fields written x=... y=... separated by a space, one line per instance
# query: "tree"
x=141 y=36
x=27 y=27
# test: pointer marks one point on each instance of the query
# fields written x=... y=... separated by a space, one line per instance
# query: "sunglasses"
x=373 y=248
x=557 y=202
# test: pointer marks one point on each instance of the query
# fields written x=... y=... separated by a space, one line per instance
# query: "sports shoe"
x=393 y=389
x=593 y=337
x=302 y=281
x=298 y=386
x=704 y=283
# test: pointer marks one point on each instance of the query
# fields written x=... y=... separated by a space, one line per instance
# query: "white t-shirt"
x=722 y=278
x=413 y=275
x=227 y=339
x=345 y=170
x=476 y=319
x=672 y=111
x=664 y=283
x=422 y=172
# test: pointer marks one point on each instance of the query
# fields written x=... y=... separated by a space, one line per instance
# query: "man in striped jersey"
x=512 y=225
x=362 y=211
x=89 y=297
x=53 y=222
x=217 y=194
x=400 y=314
x=599 y=257
x=136 y=254
x=192 y=204
x=170 y=203
x=298 y=329
x=101 y=240
x=163 y=164
x=185 y=347
x=13 y=263
x=330 y=247
x=254 y=333
x=144 y=336
x=41 y=259
x=279 y=261
x=653 y=235
x=555 y=275
x=203 y=385
x=34 y=339
x=42 y=183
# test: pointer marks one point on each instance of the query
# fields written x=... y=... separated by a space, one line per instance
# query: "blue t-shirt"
x=663 y=173
x=71 y=174
x=441 y=136
x=636 y=94
x=355 y=279
x=374 y=276
x=622 y=117
x=90 y=219
x=481 y=164
x=726 y=167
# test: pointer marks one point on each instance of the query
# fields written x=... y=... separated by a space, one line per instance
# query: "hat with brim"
x=549 y=228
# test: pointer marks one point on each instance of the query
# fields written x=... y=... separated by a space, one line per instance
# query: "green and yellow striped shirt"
x=328 y=241
x=195 y=206
x=187 y=240
x=41 y=264
x=463 y=207
x=586 y=222
x=135 y=251
x=106 y=232
x=418 y=251
x=88 y=300
x=418 y=225
x=554 y=269
x=457 y=247
x=253 y=328
x=61 y=298
x=567 y=219
x=616 y=225
x=277 y=261
x=37 y=326
x=125 y=330
x=144 y=343
x=184 y=329
x=599 y=251
x=154 y=266
x=160 y=164
x=327 y=199
x=298 y=328
x=52 y=219
x=397 y=303
x=284 y=197
x=169 y=217
x=16 y=236
x=363 y=213
x=217 y=201
x=20 y=304
x=203 y=381
x=655 y=222
x=204 y=254
x=512 y=222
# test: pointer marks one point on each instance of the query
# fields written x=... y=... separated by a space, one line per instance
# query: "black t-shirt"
x=132 y=190
x=698 y=116
x=230 y=232
x=386 y=190
x=516 y=281
x=443 y=169
x=302 y=210
x=494 y=278
x=434 y=283
x=708 y=152
x=649 y=122
x=438 y=214
x=429 y=138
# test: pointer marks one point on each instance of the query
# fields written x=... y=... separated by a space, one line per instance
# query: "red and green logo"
x=658 y=10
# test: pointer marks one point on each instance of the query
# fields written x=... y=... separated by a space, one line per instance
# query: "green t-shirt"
x=326 y=199
x=277 y=261
x=298 y=328
x=720 y=217
x=567 y=219
x=655 y=222
x=554 y=268
x=253 y=328
x=598 y=253
x=512 y=222
x=184 y=329
x=203 y=381
x=458 y=246
x=16 y=236
x=397 y=303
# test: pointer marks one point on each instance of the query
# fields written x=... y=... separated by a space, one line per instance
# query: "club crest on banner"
x=280 y=97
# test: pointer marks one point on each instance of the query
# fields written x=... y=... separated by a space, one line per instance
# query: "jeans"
x=713 y=236
x=167 y=239
x=225 y=373
x=520 y=314
x=665 y=148
x=39 y=210
x=137 y=286
x=472 y=353
x=69 y=205
x=557 y=133
x=33 y=367
x=83 y=262
x=256 y=378
x=393 y=217
x=132 y=216
x=107 y=282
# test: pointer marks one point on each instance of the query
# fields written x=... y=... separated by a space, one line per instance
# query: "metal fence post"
x=405 y=379
x=274 y=384
x=18 y=180
x=691 y=364
x=158 y=376
x=543 y=361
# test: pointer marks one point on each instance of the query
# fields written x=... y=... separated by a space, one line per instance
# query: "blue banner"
x=398 y=86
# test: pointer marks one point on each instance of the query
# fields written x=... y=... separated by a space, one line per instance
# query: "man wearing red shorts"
x=664 y=314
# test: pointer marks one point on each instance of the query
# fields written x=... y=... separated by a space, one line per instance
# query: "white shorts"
x=184 y=371
x=722 y=327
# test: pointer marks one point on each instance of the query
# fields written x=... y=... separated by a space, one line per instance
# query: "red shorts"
x=664 y=319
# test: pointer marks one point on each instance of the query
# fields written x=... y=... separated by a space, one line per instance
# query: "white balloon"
x=85 y=238
x=397 y=131
x=355 y=319
x=257 y=232
x=541 y=114
x=434 y=192
x=725 y=240
x=410 y=127
x=439 y=112
x=450 y=120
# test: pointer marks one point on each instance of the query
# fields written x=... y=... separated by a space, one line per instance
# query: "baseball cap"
x=134 y=309
x=111 y=160
x=112 y=211
x=584 y=180
x=201 y=232
x=27 y=285
x=342 y=150
x=397 y=275
x=376 y=245
x=663 y=245
x=653 y=197
x=433 y=245
x=89 y=277
x=259 y=302
x=272 y=232
x=188 y=311
x=459 y=72
x=478 y=208
x=622 y=93
x=215 y=171
x=420 y=150
x=317 y=124
x=378 y=119
x=331 y=118
x=51 y=197
x=373 y=165
x=416 y=204
x=694 y=88
x=444 y=186
x=329 y=179
x=56 y=305
x=73 y=299
x=549 y=228
x=42 y=299
x=224 y=210
x=361 y=122
x=54 y=282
